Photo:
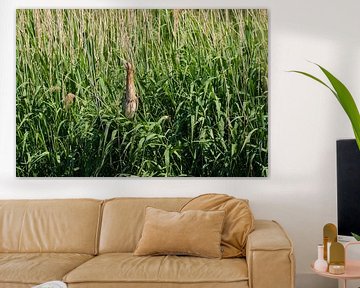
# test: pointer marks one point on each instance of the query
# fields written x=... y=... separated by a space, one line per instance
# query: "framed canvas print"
x=162 y=92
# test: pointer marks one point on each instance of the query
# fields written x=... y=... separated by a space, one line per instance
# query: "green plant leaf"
x=356 y=236
x=346 y=100
x=344 y=97
x=316 y=79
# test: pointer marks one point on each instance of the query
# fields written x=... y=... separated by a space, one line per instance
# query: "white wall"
x=305 y=120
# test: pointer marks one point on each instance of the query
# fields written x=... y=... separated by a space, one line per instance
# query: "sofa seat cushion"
x=36 y=268
x=127 y=268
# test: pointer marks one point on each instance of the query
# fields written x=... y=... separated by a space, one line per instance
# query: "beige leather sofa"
x=89 y=243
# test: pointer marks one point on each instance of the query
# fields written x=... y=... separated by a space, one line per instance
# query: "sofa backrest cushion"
x=66 y=226
x=123 y=220
x=239 y=220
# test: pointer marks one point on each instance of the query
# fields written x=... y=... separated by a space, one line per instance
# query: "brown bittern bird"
x=69 y=100
x=131 y=101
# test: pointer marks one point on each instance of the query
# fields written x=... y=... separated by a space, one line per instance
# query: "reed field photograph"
x=144 y=93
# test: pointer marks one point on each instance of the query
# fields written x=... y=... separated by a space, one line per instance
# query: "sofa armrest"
x=269 y=256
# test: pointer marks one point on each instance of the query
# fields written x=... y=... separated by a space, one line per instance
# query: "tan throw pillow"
x=196 y=233
x=239 y=220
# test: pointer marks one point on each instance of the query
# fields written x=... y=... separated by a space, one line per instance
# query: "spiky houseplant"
x=346 y=100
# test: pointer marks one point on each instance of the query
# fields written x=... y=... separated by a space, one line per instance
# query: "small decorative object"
x=330 y=236
x=320 y=264
x=328 y=252
x=337 y=258
x=336 y=269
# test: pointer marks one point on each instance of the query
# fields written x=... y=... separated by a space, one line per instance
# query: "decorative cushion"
x=196 y=233
x=238 y=223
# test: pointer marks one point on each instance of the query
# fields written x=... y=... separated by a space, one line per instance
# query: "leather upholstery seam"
x=71 y=270
x=22 y=226
x=291 y=254
x=250 y=272
x=98 y=228
x=269 y=249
